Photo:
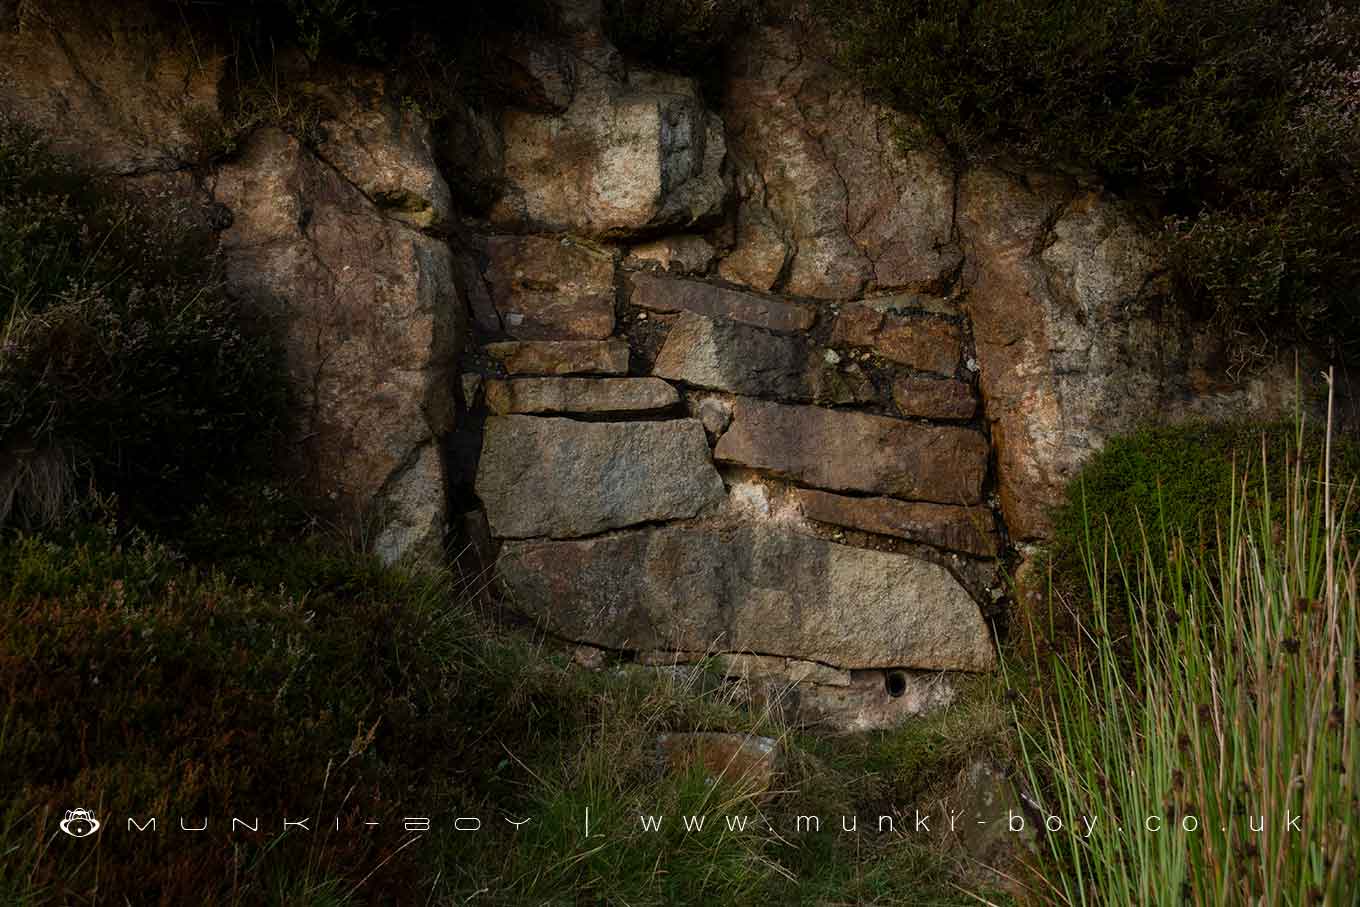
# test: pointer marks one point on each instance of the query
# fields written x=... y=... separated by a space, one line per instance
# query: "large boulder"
x=632 y=153
x=749 y=588
x=371 y=325
x=831 y=205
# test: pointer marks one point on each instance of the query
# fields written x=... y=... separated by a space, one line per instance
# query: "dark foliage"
x=1242 y=117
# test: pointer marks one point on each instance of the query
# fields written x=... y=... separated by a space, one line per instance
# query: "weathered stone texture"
x=547 y=288
x=1073 y=343
x=751 y=588
x=931 y=398
x=684 y=254
x=662 y=295
x=632 y=152
x=370 y=349
x=828 y=196
x=562 y=478
x=966 y=529
x=121 y=96
x=845 y=451
x=926 y=344
x=561 y=357
x=734 y=357
x=579 y=395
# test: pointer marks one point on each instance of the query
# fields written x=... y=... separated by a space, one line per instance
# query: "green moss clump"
x=1176 y=479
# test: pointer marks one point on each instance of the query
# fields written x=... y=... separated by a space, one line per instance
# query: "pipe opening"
x=895 y=682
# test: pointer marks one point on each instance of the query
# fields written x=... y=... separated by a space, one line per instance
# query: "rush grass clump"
x=1217 y=739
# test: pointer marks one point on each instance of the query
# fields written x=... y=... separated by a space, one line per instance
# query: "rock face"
x=844 y=451
x=632 y=152
x=128 y=100
x=561 y=478
x=856 y=332
x=370 y=348
x=545 y=288
x=750 y=588
x=967 y=529
x=660 y=295
x=830 y=205
x=579 y=395
x=562 y=357
x=1073 y=342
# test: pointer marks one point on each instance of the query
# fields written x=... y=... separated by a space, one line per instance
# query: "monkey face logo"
x=79 y=823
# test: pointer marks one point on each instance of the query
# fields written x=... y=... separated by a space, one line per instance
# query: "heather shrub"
x=123 y=363
x=1242 y=119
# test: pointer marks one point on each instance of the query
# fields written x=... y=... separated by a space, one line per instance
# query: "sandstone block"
x=931 y=398
x=578 y=395
x=740 y=359
x=845 y=451
x=562 y=478
x=751 y=588
x=547 y=289
x=966 y=529
x=927 y=344
x=660 y=294
x=561 y=357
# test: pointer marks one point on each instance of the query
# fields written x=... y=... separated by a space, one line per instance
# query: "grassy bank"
x=1209 y=712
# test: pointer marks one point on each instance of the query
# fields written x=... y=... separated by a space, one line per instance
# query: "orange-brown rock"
x=846 y=451
x=549 y=288
x=967 y=529
x=660 y=294
x=933 y=398
x=925 y=344
x=561 y=357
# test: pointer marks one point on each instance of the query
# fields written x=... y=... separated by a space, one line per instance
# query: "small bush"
x=122 y=361
x=1242 y=117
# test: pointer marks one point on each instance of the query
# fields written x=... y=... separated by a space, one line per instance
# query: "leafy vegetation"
x=1217 y=748
x=1241 y=119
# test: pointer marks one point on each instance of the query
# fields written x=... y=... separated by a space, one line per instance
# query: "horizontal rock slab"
x=740 y=359
x=561 y=478
x=966 y=529
x=547 y=289
x=561 y=357
x=845 y=451
x=927 y=344
x=666 y=295
x=578 y=395
x=933 y=398
x=752 y=588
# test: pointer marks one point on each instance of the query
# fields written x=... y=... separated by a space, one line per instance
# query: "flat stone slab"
x=846 y=451
x=559 y=478
x=578 y=395
x=752 y=588
x=547 y=289
x=561 y=357
x=934 y=398
x=668 y=295
x=966 y=529
x=729 y=356
x=927 y=344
